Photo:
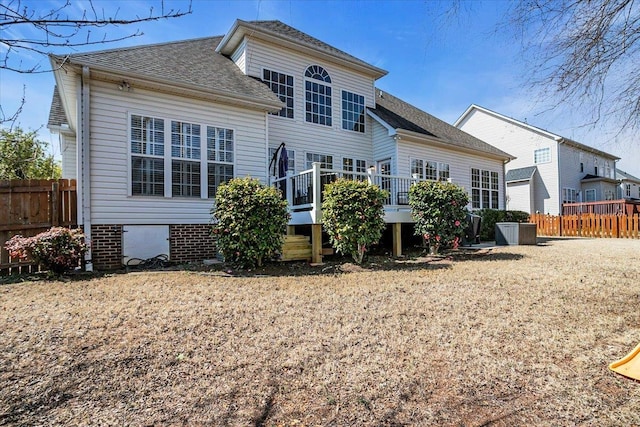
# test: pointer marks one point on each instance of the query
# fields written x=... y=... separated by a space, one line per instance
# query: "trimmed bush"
x=249 y=221
x=353 y=216
x=58 y=250
x=438 y=209
x=491 y=216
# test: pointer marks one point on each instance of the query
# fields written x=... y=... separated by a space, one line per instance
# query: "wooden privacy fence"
x=29 y=207
x=588 y=225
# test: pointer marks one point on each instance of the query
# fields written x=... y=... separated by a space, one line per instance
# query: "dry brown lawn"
x=506 y=337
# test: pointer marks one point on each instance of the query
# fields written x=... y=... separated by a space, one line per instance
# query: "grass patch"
x=513 y=336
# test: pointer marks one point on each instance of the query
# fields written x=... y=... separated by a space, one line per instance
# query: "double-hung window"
x=318 y=96
x=627 y=190
x=147 y=156
x=185 y=159
x=291 y=163
x=354 y=165
x=484 y=189
x=443 y=172
x=431 y=171
x=569 y=195
x=417 y=168
x=175 y=158
x=282 y=85
x=220 y=149
x=352 y=111
x=326 y=162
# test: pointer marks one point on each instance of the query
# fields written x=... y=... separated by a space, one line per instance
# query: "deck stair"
x=295 y=248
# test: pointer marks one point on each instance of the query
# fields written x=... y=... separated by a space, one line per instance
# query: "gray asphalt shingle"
x=520 y=174
x=402 y=115
x=56 y=112
x=190 y=62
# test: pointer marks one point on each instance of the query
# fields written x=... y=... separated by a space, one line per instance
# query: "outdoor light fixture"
x=124 y=85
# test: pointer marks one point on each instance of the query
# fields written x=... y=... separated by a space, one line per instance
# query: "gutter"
x=84 y=207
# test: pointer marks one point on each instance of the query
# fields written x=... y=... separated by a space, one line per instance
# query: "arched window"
x=317 y=96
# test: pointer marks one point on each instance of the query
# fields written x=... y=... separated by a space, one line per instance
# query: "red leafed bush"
x=59 y=249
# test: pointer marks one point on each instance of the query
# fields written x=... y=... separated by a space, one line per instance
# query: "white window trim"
x=547 y=149
x=333 y=158
x=204 y=189
x=590 y=191
x=481 y=188
x=304 y=99
x=364 y=112
x=294 y=92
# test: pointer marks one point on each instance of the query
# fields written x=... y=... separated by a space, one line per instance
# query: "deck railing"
x=607 y=207
x=303 y=190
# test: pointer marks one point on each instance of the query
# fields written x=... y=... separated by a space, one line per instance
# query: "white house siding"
x=68 y=155
x=384 y=146
x=460 y=164
x=239 y=57
x=296 y=133
x=570 y=158
x=521 y=143
x=110 y=109
x=519 y=197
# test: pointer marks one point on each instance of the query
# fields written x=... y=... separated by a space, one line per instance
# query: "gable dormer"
x=276 y=33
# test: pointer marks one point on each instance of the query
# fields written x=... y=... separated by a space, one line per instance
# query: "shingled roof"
x=520 y=174
x=193 y=63
x=56 y=113
x=401 y=115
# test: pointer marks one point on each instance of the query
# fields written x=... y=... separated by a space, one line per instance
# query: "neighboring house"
x=150 y=132
x=629 y=185
x=549 y=170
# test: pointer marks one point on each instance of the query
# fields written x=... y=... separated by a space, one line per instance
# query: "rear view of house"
x=150 y=132
x=549 y=170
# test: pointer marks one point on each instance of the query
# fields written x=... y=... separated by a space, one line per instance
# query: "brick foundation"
x=106 y=246
x=191 y=242
x=187 y=242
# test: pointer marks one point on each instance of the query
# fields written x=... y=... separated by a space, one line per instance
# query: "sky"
x=439 y=62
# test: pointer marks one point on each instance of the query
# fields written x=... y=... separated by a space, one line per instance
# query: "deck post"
x=316 y=243
x=289 y=188
x=396 y=229
x=316 y=210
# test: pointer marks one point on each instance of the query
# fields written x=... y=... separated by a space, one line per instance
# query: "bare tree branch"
x=585 y=53
x=56 y=28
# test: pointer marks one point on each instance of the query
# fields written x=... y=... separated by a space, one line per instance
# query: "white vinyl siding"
x=68 y=154
x=521 y=143
x=460 y=164
x=303 y=137
x=384 y=146
x=110 y=112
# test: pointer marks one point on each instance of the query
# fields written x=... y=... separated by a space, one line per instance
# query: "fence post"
x=54 y=212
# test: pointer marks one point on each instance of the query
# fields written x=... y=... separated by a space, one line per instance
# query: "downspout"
x=85 y=163
x=266 y=146
x=560 y=183
x=504 y=185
